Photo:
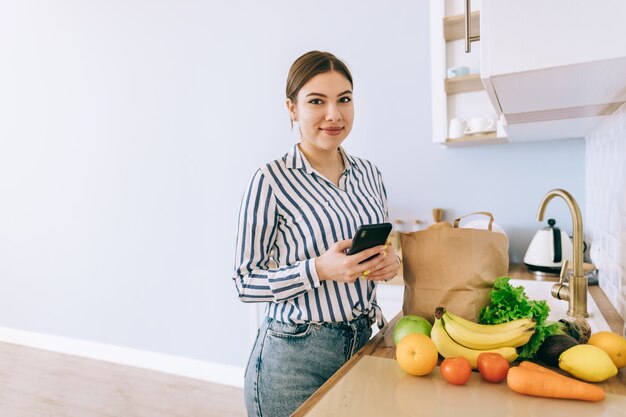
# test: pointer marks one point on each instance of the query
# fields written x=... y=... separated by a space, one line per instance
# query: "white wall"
x=128 y=131
x=606 y=215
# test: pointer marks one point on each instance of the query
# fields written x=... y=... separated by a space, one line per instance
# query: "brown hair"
x=308 y=66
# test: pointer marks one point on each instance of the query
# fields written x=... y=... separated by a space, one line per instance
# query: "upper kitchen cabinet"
x=553 y=69
x=462 y=112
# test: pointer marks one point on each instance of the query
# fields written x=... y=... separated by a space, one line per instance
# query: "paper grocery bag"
x=452 y=267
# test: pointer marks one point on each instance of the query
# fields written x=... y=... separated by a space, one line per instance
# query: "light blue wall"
x=129 y=130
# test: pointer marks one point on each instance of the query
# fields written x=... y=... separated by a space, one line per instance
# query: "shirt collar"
x=295 y=159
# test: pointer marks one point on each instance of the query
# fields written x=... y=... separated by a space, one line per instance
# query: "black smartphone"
x=369 y=235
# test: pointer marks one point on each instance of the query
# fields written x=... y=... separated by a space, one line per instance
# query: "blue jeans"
x=289 y=362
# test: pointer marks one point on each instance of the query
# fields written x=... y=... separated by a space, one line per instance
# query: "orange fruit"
x=417 y=354
x=611 y=343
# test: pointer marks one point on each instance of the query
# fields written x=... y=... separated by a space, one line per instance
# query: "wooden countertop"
x=381 y=345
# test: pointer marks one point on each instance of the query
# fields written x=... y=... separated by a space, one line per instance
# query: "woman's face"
x=324 y=111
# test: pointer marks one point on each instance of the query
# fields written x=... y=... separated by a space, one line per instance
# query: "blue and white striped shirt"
x=291 y=214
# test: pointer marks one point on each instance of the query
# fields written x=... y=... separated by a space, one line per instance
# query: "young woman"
x=297 y=219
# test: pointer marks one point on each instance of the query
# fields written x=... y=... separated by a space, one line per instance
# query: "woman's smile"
x=333 y=131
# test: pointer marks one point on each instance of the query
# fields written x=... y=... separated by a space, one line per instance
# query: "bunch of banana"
x=449 y=348
x=488 y=336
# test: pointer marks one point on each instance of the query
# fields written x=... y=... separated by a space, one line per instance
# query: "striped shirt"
x=291 y=214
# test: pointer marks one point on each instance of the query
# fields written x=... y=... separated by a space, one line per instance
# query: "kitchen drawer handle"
x=469 y=39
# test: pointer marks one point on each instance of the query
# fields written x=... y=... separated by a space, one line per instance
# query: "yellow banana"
x=491 y=328
x=486 y=340
x=523 y=338
x=448 y=348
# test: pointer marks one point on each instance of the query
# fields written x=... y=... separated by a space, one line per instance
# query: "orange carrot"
x=536 y=367
x=551 y=385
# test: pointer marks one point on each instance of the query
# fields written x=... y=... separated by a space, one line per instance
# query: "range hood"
x=553 y=70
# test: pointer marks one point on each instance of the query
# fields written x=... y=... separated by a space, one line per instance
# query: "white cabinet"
x=462 y=97
x=553 y=69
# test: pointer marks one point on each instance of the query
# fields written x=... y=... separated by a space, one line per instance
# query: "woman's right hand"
x=335 y=265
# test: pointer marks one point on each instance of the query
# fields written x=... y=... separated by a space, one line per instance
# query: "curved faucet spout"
x=577 y=289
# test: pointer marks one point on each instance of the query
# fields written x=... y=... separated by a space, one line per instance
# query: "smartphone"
x=369 y=235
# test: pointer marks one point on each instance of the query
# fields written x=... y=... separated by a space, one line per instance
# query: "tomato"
x=492 y=366
x=456 y=371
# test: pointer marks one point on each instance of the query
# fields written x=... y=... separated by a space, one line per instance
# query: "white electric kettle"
x=548 y=249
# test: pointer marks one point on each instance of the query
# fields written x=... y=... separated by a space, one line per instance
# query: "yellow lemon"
x=587 y=362
x=611 y=343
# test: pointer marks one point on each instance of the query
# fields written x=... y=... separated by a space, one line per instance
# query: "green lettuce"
x=511 y=303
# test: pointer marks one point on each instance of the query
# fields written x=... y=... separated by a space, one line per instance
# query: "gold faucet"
x=576 y=292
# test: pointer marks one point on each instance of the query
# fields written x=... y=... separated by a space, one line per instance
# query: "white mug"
x=457 y=128
x=492 y=122
x=480 y=124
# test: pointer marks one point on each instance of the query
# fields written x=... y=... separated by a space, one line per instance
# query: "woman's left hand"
x=387 y=268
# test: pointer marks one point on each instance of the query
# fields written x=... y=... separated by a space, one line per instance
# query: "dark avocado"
x=553 y=346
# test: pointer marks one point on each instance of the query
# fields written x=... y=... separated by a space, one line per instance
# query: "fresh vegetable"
x=546 y=383
x=457 y=370
x=535 y=367
x=510 y=303
x=553 y=346
x=492 y=367
x=579 y=329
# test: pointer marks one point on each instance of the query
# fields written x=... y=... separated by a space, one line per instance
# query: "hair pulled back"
x=308 y=66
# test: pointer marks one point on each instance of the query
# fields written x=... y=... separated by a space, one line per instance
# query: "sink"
x=540 y=290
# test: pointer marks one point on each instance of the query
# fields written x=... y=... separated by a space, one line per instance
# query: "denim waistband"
x=361 y=321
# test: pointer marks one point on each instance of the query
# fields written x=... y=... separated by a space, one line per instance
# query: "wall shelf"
x=454 y=26
x=464 y=84
x=461 y=97
x=474 y=140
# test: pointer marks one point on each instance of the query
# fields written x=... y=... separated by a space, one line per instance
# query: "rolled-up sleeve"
x=256 y=235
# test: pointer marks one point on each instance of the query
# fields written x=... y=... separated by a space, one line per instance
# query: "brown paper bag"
x=454 y=268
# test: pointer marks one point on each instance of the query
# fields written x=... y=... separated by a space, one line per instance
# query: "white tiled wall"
x=605 y=200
